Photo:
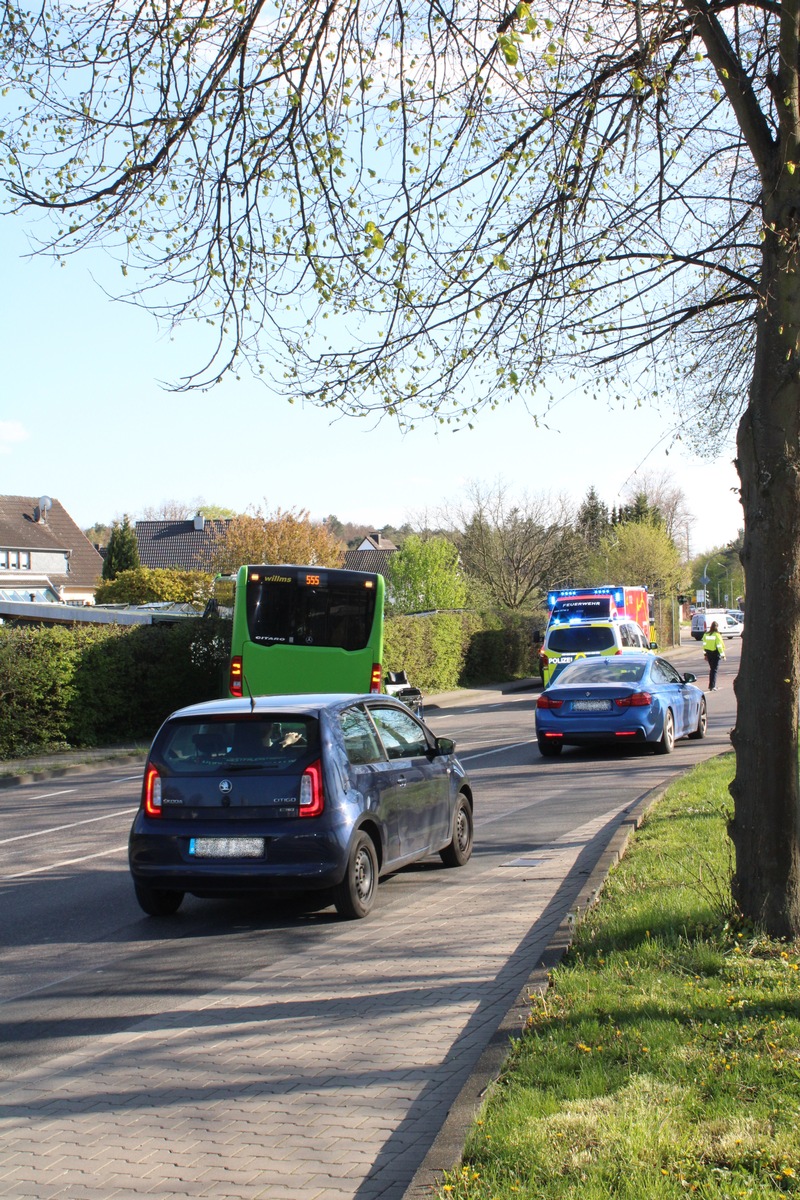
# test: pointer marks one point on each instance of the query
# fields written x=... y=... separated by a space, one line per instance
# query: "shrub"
x=98 y=684
x=143 y=585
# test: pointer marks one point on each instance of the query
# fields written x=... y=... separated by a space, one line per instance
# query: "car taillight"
x=637 y=700
x=375 y=678
x=152 y=793
x=545 y=701
x=543 y=662
x=312 y=796
x=235 y=681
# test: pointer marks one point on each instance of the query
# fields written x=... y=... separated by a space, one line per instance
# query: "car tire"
x=549 y=749
x=702 y=721
x=355 y=895
x=666 y=743
x=158 y=902
x=459 y=851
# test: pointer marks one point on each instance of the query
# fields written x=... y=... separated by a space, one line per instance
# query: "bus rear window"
x=292 y=613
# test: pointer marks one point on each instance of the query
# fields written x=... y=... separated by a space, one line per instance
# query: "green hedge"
x=96 y=685
x=449 y=650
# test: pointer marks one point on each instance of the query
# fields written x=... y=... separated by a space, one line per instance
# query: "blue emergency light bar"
x=616 y=592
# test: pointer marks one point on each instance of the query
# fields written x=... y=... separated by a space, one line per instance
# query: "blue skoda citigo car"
x=294 y=793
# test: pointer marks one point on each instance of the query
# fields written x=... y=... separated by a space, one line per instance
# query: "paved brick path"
x=330 y=1081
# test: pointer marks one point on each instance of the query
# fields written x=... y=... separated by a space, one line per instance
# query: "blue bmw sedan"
x=294 y=793
x=627 y=699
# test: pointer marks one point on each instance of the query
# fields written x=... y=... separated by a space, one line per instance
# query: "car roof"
x=309 y=704
x=584 y=623
x=629 y=659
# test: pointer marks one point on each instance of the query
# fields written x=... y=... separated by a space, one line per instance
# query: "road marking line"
x=20 y=837
x=47 y=795
x=69 y=862
x=499 y=750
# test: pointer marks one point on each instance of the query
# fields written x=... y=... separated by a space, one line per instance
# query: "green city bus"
x=306 y=629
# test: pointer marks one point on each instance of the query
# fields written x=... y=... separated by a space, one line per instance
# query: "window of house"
x=15 y=560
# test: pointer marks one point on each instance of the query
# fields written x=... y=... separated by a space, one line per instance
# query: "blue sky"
x=84 y=419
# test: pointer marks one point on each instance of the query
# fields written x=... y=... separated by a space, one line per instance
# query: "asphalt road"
x=83 y=967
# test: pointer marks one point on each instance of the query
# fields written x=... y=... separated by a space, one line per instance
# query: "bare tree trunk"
x=765 y=828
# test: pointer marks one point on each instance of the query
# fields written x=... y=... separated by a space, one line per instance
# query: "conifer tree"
x=122 y=553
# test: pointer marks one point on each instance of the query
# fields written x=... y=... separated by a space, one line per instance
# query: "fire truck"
x=607 y=602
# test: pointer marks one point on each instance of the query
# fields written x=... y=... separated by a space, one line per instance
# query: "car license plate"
x=227 y=847
x=591 y=706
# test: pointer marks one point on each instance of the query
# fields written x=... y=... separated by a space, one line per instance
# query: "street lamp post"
x=704 y=579
x=724 y=567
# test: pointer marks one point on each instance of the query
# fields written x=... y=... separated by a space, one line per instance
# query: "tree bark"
x=765 y=828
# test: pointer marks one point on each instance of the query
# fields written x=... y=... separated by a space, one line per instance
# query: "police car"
x=564 y=641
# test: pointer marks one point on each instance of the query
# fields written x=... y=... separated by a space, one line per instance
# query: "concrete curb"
x=34 y=773
x=448 y=1147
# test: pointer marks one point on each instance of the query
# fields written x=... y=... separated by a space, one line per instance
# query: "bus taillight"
x=375 y=678
x=152 y=793
x=235 y=681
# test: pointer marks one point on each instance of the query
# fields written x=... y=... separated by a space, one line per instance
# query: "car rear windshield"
x=274 y=744
x=577 y=639
x=601 y=670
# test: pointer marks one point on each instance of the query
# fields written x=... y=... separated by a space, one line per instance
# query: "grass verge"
x=664 y=1060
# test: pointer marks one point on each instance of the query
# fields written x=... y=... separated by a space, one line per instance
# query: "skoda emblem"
x=225 y=786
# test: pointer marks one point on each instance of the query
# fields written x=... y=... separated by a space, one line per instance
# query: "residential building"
x=44 y=556
x=181 y=545
x=372 y=554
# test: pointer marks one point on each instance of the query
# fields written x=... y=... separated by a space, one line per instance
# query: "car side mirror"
x=654 y=645
x=689 y=677
x=445 y=746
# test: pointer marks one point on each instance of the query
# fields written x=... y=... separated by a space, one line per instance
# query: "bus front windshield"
x=289 y=611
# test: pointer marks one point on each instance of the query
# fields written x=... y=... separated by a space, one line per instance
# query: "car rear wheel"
x=157 y=902
x=702 y=721
x=549 y=747
x=355 y=895
x=666 y=743
x=459 y=850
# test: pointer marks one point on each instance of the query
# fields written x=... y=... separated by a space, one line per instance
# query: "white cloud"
x=11 y=432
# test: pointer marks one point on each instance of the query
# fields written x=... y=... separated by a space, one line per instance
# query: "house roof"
x=24 y=527
x=184 y=545
x=376 y=561
x=376 y=541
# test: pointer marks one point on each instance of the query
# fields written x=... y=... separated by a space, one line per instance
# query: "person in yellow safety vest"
x=714 y=650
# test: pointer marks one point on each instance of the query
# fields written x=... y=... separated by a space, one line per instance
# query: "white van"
x=728 y=625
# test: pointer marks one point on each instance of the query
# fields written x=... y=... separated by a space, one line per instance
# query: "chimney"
x=199 y=523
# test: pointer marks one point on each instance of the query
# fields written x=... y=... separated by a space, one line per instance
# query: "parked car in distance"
x=294 y=793
x=728 y=625
x=628 y=700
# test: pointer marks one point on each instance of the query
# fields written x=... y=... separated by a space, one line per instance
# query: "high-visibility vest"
x=713 y=641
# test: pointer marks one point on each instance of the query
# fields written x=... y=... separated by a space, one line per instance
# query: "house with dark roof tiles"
x=373 y=554
x=180 y=545
x=44 y=555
